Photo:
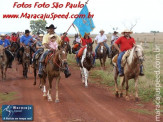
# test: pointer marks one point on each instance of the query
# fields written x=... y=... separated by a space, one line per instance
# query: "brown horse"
x=114 y=51
x=65 y=45
x=14 y=48
x=102 y=54
x=3 y=62
x=26 y=60
x=86 y=63
x=54 y=66
x=131 y=70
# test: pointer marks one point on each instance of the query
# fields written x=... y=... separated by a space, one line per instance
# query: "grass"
x=6 y=98
x=142 y=111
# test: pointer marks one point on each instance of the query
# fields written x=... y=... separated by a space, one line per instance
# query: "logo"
x=17 y=112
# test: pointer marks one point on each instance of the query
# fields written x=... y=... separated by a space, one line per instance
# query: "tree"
x=38 y=26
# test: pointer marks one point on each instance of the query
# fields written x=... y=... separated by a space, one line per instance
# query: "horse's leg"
x=44 y=87
x=82 y=74
x=127 y=87
x=50 y=88
x=104 y=60
x=115 y=80
x=2 y=72
x=5 y=69
x=35 y=75
x=122 y=81
x=86 y=77
x=136 y=89
x=57 y=86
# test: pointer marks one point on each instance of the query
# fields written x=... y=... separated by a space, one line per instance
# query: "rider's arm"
x=116 y=46
x=46 y=45
x=116 y=43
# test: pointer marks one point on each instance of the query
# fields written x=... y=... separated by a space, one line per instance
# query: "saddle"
x=38 y=55
x=124 y=58
x=49 y=56
x=80 y=53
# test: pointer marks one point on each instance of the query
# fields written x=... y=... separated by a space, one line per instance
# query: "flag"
x=84 y=24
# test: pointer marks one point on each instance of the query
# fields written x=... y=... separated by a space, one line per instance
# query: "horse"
x=26 y=60
x=114 y=51
x=36 y=65
x=131 y=71
x=102 y=54
x=54 y=66
x=86 y=63
x=14 y=48
x=3 y=62
x=65 y=45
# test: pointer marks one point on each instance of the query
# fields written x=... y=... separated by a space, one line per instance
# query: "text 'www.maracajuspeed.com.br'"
x=46 y=16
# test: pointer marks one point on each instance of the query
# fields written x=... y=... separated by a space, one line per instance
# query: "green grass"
x=142 y=111
x=7 y=97
x=0 y=112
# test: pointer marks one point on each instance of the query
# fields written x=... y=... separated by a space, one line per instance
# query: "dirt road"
x=77 y=104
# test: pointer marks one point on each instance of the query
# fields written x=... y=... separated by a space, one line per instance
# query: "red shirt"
x=8 y=37
x=125 y=44
x=66 y=39
x=85 y=41
x=14 y=39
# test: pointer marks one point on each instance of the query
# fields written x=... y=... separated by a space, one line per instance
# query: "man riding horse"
x=64 y=38
x=101 y=38
x=126 y=42
x=25 y=40
x=45 y=43
x=6 y=43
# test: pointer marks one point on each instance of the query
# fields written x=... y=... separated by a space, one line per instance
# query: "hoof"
x=86 y=86
x=117 y=94
x=34 y=83
x=127 y=98
x=45 y=97
x=136 y=99
x=121 y=94
x=56 y=101
x=50 y=100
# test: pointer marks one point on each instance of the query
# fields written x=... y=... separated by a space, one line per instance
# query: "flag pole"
x=72 y=23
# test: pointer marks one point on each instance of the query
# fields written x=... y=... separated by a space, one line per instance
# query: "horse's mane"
x=130 y=58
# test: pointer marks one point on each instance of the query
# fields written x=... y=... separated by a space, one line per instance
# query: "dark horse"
x=14 y=48
x=114 y=51
x=66 y=45
x=36 y=64
x=102 y=54
x=86 y=63
x=26 y=60
x=54 y=66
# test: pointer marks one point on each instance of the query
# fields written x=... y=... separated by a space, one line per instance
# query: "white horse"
x=86 y=63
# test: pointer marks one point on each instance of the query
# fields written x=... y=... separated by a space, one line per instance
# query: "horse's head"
x=2 y=49
x=89 y=50
x=139 y=52
x=62 y=57
x=27 y=51
x=64 y=44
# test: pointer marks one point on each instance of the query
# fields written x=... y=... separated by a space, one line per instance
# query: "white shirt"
x=100 y=38
x=78 y=39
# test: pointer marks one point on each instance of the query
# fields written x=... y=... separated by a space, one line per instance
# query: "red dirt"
x=77 y=104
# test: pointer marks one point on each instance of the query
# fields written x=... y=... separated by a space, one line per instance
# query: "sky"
x=107 y=14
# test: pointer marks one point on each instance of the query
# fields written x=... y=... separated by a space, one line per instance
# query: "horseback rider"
x=6 y=43
x=126 y=42
x=99 y=39
x=66 y=39
x=113 y=39
x=26 y=40
x=39 y=46
x=45 y=43
x=84 y=41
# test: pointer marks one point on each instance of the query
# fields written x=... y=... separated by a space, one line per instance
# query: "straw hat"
x=41 y=35
x=102 y=30
x=127 y=31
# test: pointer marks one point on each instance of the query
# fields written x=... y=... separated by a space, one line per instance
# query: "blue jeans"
x=119 y=61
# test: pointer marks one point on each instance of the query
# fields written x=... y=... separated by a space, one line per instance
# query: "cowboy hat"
x=51 y=27
x=115 y=32
x=65 y=33
x=87 y=34
x=41 y=35
x=3 y=34
x=126 y=31
x=102 y=30
x=27 y=31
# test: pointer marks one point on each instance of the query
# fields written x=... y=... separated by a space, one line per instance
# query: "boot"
x=141 y=71
x=40 y=72
x=67 y=72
